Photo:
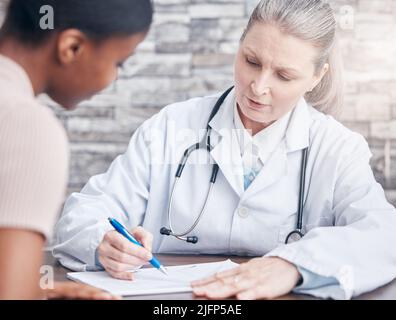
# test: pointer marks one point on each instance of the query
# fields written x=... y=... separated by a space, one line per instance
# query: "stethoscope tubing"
x=205 y=143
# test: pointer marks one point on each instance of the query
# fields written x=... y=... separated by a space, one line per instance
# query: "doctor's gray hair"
x=312 y=21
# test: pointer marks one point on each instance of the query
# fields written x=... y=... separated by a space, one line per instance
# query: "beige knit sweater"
x=33 y=155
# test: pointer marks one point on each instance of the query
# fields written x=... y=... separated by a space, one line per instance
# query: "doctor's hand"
x=260 y=278
x=119 y=256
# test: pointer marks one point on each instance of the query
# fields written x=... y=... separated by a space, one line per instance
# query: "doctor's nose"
x=260 y=86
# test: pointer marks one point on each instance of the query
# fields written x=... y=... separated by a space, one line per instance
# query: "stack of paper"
x=152 y=281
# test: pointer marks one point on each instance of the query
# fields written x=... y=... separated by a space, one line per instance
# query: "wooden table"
x=387 y=292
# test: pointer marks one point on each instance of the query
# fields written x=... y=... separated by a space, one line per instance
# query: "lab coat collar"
x=223 y=119
x=227 y=155
x=226 y=152
x=297 y=134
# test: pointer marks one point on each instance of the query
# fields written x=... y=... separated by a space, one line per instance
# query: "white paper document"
x=152 y=281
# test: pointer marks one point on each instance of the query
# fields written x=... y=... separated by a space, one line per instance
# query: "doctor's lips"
x=257 y=105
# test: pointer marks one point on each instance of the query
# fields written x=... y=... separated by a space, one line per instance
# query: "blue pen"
x=121 y=229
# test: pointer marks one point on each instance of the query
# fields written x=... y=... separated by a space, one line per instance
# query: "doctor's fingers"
x=116 y=269
x=216 y=277
x=225 y=287
x=107 y=250
x=124 y=245
x=144 y=237
x=259 y=292
x=125 y=275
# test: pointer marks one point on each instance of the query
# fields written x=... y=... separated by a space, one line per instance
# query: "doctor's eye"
x=252 y=62
x=283 y=78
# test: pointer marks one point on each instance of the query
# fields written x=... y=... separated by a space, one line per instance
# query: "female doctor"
x=272 y=167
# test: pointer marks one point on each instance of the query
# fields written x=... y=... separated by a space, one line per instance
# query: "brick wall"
x=189 y=52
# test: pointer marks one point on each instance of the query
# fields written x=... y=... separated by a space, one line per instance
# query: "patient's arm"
x=21 y=256
x=20 y=259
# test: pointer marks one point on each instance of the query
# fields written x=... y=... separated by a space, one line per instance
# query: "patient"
x=70 y=62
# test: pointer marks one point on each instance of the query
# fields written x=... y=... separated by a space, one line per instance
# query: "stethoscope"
x=294 y=235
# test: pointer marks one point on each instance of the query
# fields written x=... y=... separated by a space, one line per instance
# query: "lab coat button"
x=243 y=212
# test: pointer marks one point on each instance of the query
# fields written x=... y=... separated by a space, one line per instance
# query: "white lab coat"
x=350 y=227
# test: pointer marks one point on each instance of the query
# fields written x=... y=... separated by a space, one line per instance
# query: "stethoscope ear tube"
x=184 y=159
x=297 y=233
x=215 y=170
x=302 y=188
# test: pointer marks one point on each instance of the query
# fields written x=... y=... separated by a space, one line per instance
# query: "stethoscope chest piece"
x=294 y=236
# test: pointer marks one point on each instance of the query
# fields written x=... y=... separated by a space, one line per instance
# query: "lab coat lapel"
x=296 y=139
x=226 y=152
x=297 y=134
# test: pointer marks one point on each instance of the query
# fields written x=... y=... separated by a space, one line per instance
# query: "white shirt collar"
x=266 y=140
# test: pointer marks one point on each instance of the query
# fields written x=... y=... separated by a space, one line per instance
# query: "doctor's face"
x=272 y=72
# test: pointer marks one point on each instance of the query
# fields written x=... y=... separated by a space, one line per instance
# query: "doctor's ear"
x=71 y=43
x=318 y=78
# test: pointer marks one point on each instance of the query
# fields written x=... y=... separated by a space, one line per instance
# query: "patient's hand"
x=72 y=290
x=118 y=255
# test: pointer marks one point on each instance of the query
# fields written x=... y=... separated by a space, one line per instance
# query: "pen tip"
x=163 y=270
